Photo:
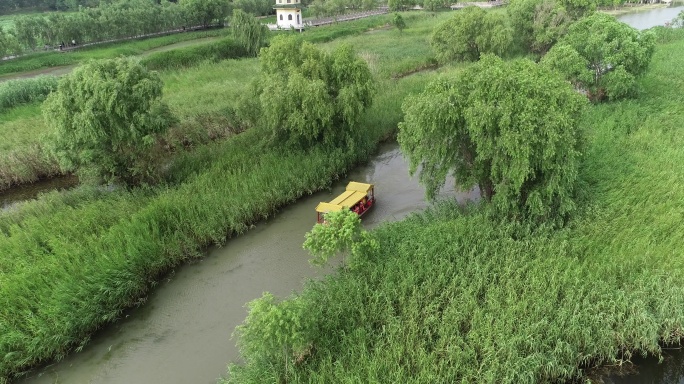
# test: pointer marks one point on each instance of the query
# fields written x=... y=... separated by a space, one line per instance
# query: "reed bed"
x=452 y=296
x=226 y=48
x=23 y=91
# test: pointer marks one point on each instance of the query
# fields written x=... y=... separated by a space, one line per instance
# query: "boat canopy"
x=359 y=187
x=355 y=192
x=327 y=207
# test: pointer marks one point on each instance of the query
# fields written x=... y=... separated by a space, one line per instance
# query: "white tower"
x=289 y=14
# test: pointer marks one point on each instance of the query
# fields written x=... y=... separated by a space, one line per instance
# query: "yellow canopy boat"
x=358 y=197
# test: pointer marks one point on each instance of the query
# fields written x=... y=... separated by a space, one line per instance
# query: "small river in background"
x=182 y=334
x=652 y=17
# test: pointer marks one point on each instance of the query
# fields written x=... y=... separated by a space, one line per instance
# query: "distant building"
x=289 y=14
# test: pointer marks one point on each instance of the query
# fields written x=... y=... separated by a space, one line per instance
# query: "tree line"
x=116 y=20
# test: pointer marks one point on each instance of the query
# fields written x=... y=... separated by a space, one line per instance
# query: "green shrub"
x=226 y=48
x=22 y=91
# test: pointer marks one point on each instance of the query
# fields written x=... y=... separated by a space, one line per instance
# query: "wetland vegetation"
x=448 y=295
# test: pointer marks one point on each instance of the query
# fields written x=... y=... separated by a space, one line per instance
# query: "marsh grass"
x=216 y=51
x=391 y=53
x=7 y=22
x=23 y=91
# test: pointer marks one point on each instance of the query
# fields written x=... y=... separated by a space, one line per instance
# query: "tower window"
x=289 y=17
x=281 y=17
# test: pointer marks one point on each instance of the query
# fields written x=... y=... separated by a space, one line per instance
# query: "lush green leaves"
x=508 y=127
x=310 y=96
x=205 y=12
x=340 y=233
x=398 y=22
x=8 y=43
x=248 y=31
x=538 y=24
x=604 y=45
x=276 y=331
x=105 y=116
x=470 y=33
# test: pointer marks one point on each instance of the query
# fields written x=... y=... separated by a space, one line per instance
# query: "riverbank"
x=452 y=296
x=631 y=8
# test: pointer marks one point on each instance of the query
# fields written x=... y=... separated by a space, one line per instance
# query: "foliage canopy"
x=105 y=116
x=341 y=232
x=470 y=33
x=398 y=22
x=508 y=127
x=248 y=31
x=538 y=24
x=205 y=12
x=603 y=56
x=311 y=96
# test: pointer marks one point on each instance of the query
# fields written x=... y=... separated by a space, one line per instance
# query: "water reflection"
x=645 y=370
x=652 y=17
x=31 y=191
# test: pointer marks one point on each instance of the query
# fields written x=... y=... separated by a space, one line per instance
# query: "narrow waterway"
x=182 y=334
x=31 y=191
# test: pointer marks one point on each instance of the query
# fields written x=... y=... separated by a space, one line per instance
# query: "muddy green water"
x=182 y=334
x=31 y=191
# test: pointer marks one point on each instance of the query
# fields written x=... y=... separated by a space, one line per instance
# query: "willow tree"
x=310 y=96
x=248 y=31
x=471 y=32
x=105 y=117
x=508 y=127
x=206 y=12
x=602 y=56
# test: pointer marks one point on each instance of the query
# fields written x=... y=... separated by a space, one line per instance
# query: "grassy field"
x=452 y=296
x=391 y=53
